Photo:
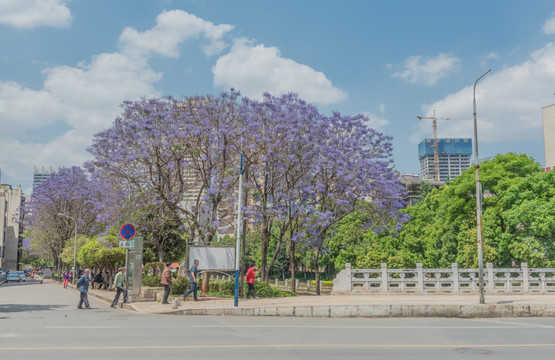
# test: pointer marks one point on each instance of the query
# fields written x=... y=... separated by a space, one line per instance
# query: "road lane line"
x=82 y=327
x=515 y=323
x=508 y=326
x=266 y=346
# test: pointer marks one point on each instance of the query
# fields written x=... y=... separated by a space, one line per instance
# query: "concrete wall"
x=10 y=202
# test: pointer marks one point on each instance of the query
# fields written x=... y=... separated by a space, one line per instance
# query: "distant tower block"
x=454 y=156
x=548 y=119
x=42 y=174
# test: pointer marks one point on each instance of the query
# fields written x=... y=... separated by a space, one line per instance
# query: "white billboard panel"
x=220 y=258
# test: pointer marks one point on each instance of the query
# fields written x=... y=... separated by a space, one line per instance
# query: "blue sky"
x=66 y=66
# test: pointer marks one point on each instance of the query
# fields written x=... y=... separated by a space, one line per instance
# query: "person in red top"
x=251 y=272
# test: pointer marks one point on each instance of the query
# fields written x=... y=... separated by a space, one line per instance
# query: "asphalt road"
x=41 y=321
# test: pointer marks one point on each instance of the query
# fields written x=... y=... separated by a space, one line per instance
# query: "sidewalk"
x=461 y=306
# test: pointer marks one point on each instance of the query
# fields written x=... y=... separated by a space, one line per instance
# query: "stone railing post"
x=490 y=277
x=420 y=278
x=455 y=278
x=286 y=281
x=525 y=277
x=349 y=276
x=385 y=278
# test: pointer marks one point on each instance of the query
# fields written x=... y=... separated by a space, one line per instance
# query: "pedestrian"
x=251 y=273
x=193 y=273
x=167 y=282
x=83 y=287
x=120 y=285
x=106 y=280
x=98 y=281
x=66 y=279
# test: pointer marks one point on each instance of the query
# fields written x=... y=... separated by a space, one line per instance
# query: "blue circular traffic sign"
x=127 y=231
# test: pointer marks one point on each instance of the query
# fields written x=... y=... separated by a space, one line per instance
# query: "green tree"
x=518 y=217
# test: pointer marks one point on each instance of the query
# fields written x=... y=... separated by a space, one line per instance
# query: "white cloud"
x=85 y=98
x=378 y=122
x=429 y=70
x=27 y=108
x=65 y=150
x=254 y=70
x=549 y=26
x=91 y=93
x=35 y=13
x=492 y=55
x=509 y=100
x=171 y=29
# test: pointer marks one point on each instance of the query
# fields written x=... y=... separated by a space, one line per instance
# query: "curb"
x=364 y=311
x=381 y=311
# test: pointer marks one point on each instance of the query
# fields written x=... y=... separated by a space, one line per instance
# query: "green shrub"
x=154 y=268
x=262 y=289
x=180 y=285
x=215 y=286
x=265 y=290
x=227 y=287
x=151 y=281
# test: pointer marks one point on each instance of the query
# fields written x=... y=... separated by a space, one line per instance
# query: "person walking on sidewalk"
x=83 y=287
x=167 y=282
x=66 y=279
x=193 y=273
x=251 y=273
x=98 y=281
x=120 y=284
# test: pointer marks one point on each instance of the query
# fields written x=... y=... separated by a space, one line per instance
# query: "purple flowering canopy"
x=178 y=160
x=71 y=192
x=177 y=154
x=307 y=171
x=303 y=171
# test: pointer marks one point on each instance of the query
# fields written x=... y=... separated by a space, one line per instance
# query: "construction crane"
x=434 y=127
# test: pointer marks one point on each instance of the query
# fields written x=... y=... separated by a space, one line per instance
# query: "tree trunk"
x=264 y=251
x=317 y=273
x=276 y=252
x=292 y=264
x=160 y=250
x=205 y=283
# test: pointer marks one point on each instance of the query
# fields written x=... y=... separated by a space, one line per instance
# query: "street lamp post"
x=74 y=247
x=478 y=199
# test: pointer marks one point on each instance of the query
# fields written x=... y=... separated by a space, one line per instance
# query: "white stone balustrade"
x=443 y=281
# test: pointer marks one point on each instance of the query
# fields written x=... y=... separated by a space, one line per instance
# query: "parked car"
x=2 y=277
x=14 y=275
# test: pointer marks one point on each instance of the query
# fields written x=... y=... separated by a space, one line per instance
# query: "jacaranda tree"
x=71 y=192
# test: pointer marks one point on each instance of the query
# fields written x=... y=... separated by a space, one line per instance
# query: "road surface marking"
x=82 y=327
x=265 y=346
x=508 y=326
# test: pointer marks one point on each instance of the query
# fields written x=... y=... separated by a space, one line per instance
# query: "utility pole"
x=479 y=232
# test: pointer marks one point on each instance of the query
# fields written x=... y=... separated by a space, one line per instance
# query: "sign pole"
x=127 y=232
x=238 y=229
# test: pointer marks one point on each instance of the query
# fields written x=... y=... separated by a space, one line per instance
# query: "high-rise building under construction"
x=453 y=157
